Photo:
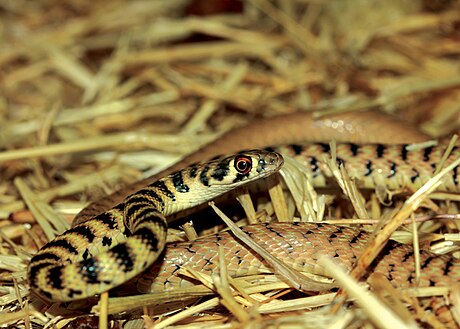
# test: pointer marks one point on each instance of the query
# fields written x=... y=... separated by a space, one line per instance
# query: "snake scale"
x=112 y=247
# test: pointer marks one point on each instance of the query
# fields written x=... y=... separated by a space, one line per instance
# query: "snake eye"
x=243 y=165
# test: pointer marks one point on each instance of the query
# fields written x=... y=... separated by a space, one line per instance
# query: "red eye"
x=243 y=165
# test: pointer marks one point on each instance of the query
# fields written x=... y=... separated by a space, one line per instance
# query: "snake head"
x=240 y=168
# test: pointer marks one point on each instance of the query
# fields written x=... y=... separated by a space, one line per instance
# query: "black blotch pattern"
x=404 y=152
x=354 y=148
x=239 y=177
x=123 y=256
x=106 y=241
x=393 y=169
x=222 y=170
x=203 y=176
x=314 y=165
x=426 y=153
x=380 y=150
x=416 y=175
x=62 y=244
x=179 y=184
x=408 y=255
x=193 y=170
x=296 y=148
x=340 y=162
x=89 y=269
x=326 y=148
x=447 y=266
x=107 y=219
x=82 y=230
x=46 y=294
x=86 y=254
x=368 y=168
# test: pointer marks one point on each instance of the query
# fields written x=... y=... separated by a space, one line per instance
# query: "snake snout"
x=271 y=161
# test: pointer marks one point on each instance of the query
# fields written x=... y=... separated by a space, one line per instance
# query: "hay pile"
x=95 y=95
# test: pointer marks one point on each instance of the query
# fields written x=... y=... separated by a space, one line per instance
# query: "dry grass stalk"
x=149 y=82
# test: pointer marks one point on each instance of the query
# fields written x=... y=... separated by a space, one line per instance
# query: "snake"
x=105 y=249
x=118 y=244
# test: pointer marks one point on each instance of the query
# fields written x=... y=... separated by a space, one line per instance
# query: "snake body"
x=299 y=245
x=104 y=249
x=118 y=244
x=293 y=128
x=377 y=165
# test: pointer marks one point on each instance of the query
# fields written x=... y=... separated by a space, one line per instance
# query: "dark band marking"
x=296 y=148
x=380 y=150
x=404 y=152
x=83 y=231
x=148 y=215
x=203 y=176
x=46 y=258
x=354 y=148
x=426 y=153
x=274 y=231
x=222 y=170
x=62 y=244
x=427 y=262
x=357 y=237
x=54 y=277
x=154 y=195
x=149 y=238
x=133 y=208
x=408 y=255
x=123 y=256
x=139 y=198
x=160 y=185
x=89 y=268
x=33 y=272
x=178 y=182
